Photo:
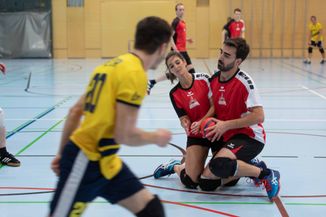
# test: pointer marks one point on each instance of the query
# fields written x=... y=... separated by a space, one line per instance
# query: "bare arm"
x=71 y=124
x=243 y=29
x=127 y=133
x=174 y=47
x=309 y=38
x=255 y=116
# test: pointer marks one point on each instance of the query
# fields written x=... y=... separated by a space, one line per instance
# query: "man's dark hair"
x=151 y=33
x=240 y=45
x=237 y=10
x=177 y=5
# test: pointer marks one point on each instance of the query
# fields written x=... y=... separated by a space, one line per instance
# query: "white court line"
x=313 y=92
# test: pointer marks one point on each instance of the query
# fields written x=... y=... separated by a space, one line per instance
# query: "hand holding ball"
x=208 y=122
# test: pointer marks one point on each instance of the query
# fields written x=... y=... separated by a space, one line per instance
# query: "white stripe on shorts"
x=71 y=186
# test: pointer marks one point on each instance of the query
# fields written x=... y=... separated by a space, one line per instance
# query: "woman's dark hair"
x=151 y=33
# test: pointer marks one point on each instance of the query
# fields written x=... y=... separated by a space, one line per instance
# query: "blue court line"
x=24 y=125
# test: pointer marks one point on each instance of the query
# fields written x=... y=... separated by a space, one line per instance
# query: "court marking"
x=314 y=92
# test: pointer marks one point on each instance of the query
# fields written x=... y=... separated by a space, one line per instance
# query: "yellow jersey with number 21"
x=122 y=79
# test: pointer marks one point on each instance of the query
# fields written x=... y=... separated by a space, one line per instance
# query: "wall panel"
x=274 y=28
x=59 y=28
x=117 y=30
x=75 y=32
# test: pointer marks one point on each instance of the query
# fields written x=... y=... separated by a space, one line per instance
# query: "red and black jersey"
x=232 y=100
x=193 y=101
x=180 y=36
x=234 y=28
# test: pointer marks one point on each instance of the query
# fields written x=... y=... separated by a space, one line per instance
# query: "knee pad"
x=1 y=118
x=232 y=183
x=154 y=208
x=223 y=167
x=321 y=50
x=187 y=181
x=209 y=184
x=310 y=50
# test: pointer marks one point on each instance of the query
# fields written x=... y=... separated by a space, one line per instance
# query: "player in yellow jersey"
x=87 y=162
x=315 y=39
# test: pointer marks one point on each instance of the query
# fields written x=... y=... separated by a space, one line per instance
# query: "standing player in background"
x=315 y=39
x=240 y=115
x=178 y=42
x=5 y=157
x=235 y=28
x=87 y=162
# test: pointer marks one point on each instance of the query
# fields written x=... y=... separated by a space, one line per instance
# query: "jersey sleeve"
x=174 y=24
x=205 y=77
x=132 y=88
x=180 y=111
x=253 y=98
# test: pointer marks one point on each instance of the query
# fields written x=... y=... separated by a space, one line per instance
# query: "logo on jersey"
x=193 y=102
x=221 y=100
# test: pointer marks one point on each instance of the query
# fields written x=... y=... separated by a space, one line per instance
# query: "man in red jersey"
x=240 y=115
x=235 y=28
x=178 y=42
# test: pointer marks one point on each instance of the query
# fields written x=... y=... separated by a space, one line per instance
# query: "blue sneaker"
x=166 y=169
x=272 y=184
x=261 y=164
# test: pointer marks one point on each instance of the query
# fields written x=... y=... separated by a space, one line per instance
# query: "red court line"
x=28 y=188
x=200 y=208
x=280 y=206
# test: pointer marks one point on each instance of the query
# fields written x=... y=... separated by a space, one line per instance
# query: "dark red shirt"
x=234 y=28
x=180 y=36
x=232 y=100
x=193 y=101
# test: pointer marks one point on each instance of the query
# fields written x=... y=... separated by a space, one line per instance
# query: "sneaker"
x=307 y=61
x=272 y=184
x=322 y=61
x=261 y=164
x=150 y=85
x=166 y=169
x=9 y=160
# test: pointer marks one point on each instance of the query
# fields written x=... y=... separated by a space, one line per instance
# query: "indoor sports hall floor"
x=294 y=97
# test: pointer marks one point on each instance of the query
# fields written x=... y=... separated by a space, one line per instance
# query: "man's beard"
x=225 y=68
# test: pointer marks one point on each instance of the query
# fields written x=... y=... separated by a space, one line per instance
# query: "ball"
x=208 y=122
x=3 y=68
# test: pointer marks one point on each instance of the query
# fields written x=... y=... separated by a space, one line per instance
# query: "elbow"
x=120 y=137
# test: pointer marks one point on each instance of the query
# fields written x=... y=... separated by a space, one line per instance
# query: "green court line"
x=39 y=137
x=195 y=203
x=35 y=140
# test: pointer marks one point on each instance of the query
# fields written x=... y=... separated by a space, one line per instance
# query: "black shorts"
x=81 y=181
x=186 y=57
x=244 y=147
x=316 y=44
x=214 y=146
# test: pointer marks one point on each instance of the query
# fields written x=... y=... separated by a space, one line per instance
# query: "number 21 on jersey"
x=93 y=92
